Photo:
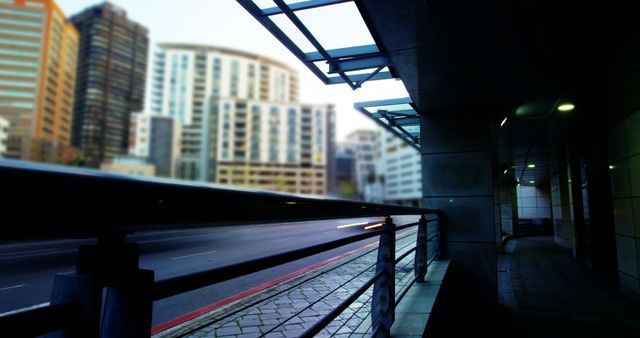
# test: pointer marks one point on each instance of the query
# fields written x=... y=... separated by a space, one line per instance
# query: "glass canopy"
x=396 y=115
x=329 y=36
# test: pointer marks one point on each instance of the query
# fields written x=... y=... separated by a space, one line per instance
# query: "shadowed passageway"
x=547 y=293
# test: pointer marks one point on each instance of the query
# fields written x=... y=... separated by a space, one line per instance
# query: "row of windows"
x=21 y=23
x=403 y=191
x=17 y=52
x=31 y=14
x=29 y=84
x=18 y=73
x=27 y=105
x=20 y=32
x=15 y=42
x=19 y=63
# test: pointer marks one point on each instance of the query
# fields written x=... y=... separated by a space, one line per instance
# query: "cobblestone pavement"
x=289 y=308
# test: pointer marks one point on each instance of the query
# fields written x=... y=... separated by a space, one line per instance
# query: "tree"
x=348 y=189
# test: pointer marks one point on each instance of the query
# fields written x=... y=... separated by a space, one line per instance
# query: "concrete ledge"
x=412 y=313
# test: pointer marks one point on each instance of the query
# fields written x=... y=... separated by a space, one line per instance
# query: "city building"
x=111 y=81
x=38 y=52
x=273 y=146
x=366 y=147
x=345 y=177
x=399 y=171
x=156 y=138
x=241 y=120
x=126 y=164
x=4 y=135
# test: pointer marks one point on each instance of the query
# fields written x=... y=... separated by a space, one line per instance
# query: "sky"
x=225 y=23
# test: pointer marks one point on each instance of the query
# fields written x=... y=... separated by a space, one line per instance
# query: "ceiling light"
x=505 y=171
x=532 y=182
x=531 y=165
x=566 y=107
x=503 y=122
x=612 y=167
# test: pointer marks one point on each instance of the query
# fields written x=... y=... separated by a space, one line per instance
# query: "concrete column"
x=457 y=178
x=575 y=172
x=561 y=208
x=507 y=209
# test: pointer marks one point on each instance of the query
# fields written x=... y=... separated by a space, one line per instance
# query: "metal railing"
x=108 y=295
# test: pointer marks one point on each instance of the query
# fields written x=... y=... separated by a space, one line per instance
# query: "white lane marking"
x=192 y=255
x=175 y=238
x=23 y=309
x=27 y=252
x=12 y=287
x=17 y=255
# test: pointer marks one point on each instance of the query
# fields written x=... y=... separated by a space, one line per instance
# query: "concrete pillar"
x=508 y=208
x=457 y=178
x=561 y=208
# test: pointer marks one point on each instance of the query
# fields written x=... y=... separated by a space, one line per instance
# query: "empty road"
x=28 y=268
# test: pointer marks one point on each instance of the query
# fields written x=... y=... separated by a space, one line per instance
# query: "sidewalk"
x=547 y=293
x=289 y=308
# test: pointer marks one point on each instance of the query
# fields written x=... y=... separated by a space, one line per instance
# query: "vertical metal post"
x=383 y=300
x=420 y=262
x=438 y=231
x=82 y=286
x=128 y=300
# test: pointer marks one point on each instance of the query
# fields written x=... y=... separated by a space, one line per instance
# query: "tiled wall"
x=561 y=209
x=533 y=202
x=506 y=210
x=624 y=153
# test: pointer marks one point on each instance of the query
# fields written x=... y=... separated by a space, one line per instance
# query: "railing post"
x=420 y=262
x=383 y=300
x=128 y=299
x=438 y=225
x=83 y=287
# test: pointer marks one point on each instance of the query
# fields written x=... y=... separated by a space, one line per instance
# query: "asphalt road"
x=27 y=269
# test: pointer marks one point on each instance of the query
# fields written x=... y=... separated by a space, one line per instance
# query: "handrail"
x=135 y=203
x=404 y=255
x=120 y=204
x=177 y=285
x=319 y=325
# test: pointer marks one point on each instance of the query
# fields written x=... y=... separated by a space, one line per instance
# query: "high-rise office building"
x=401 y=169
x=156 y=138
x=345 y=172
x=366 y=147
x=242 y=123
x=4 y=135
x=112 y=66
x=38 y=52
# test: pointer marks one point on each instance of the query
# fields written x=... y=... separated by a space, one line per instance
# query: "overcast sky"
x=225 y=23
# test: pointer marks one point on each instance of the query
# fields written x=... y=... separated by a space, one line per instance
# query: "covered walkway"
x=547 y=293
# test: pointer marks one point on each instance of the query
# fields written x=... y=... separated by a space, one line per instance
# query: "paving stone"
x=293 y=333
x=250 y=329
x=249 y=335
x=249 y=322
x=226 y=331
x=304 y=304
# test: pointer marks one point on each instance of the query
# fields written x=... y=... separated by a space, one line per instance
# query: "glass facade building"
x=38 y=54
x=112 y=66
